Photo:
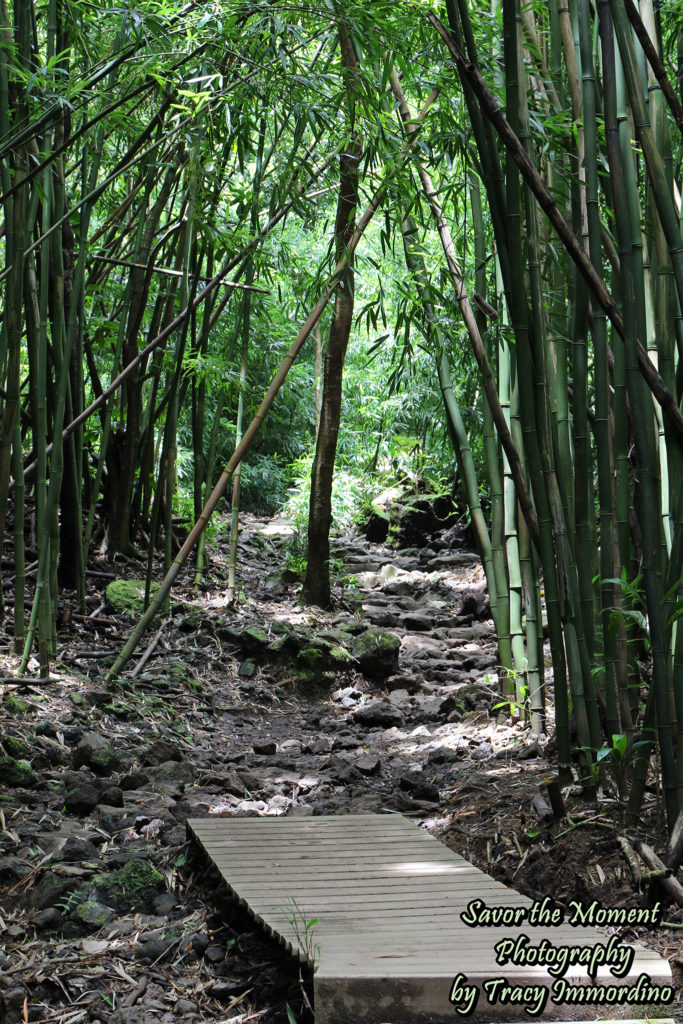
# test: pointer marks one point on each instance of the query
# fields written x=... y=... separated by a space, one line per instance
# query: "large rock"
x=377 y=653
x=127 y=596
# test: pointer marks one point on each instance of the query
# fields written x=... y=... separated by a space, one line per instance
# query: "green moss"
x=17 y=773
x=133 y=887
x=127 y=596
x=14 y=747
x=14 y=705
x=341 y=656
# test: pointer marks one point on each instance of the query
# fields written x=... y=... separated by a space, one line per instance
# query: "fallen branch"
x=671 y=884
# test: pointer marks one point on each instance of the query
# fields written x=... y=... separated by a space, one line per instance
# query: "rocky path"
x=389 y=703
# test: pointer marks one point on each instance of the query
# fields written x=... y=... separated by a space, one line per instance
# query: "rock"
x=442 y=755
x=153 y=949
x=13 y=869
x=134 y=780
x=215 y=954
x=419 y=787
x=376 y=653
x=265 y=747
x=171 y=776
x=409 y=681
x=223 y=990
x=483 y=751
x=50 y=890
x=112 y=796
x=12 y=1003
x=380 y=713
x=82 y=800
x=127 y=597
x=48 y=753
x=129 y=1015
x=134 y=887
x=197 y=942
x=75 y=849
x=95 y=752
x=165 y=904
x=418 y=622
x=92 y=914
x=15 y=748
x=160 y=751
x=183 y=1007
x=368 y=764
x=247 y=670
x=17 y=774
x=45 y=729
x=47 y=920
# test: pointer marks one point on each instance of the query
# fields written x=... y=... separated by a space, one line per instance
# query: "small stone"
x=442 y=755
x=183 y=1007
x=226 y=989
x=197 y=942
x=130 y=1015
x=165 y=904
x=93 y=914
x=134 y=780
x=75 y=849
x=368 y=764
x=50 y=890
x=215 y=954
x=247 y=670
x=482 y=752
x=82 y=800
x=112 y=796
x=47 y=920
x=265 y=747
x=160 y=751
x=153 y=949
x=380 y=713
x=419 y=787
x=14 y=868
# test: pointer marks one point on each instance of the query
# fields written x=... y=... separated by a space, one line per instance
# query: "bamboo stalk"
x=545 y=200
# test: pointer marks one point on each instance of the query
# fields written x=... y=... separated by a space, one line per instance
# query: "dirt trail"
x=273 y=709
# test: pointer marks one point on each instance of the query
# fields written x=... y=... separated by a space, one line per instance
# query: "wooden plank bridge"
x=389 y=944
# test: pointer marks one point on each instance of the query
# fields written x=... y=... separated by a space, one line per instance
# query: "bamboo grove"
x=521 y=164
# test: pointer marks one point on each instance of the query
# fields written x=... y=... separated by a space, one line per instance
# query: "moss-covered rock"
x=92 y=915
x=127 y=596
x=133 y=887
x=377 y=653
x=95 y=752
x=14 y=747
x=14 y=705
x=17 y=773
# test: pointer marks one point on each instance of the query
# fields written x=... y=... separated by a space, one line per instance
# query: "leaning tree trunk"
x=317 y=582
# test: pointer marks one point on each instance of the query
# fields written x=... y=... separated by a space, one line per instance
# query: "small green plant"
x=291 y=1016
x=303 y=929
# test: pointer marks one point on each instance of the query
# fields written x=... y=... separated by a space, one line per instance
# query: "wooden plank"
x=387 y=899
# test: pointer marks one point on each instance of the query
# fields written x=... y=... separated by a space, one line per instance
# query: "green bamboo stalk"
x=604 y=451
x=244 y=365
x=490 y=108
x=492 y=450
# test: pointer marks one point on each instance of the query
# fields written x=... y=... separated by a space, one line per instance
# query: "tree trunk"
x=317 y=582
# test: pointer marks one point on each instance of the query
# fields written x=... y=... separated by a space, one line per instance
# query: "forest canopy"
x=342 y=246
